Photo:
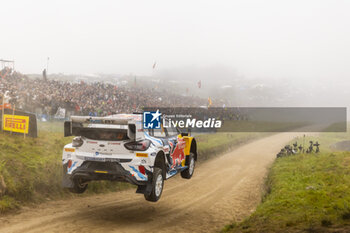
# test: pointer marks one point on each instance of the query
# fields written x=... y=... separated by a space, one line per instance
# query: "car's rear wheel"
x=157 y=185
x=188 y=172
x=79 y=186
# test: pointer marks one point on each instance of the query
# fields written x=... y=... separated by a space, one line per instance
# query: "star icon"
x=156 y=115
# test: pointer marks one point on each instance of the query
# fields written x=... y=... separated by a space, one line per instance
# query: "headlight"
x=139 y=145
x=77 y=142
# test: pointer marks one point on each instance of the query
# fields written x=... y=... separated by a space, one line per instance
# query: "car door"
x=176 y=147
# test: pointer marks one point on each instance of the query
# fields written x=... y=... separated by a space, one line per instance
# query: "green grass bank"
x=305 y=192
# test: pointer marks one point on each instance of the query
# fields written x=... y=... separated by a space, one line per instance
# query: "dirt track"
x=222 y=190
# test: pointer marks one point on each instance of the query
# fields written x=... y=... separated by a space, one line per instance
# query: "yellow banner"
x=14 y=123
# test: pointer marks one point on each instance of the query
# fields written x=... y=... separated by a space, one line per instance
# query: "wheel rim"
x=191 y=168
x=159 y=185
x=80 y=183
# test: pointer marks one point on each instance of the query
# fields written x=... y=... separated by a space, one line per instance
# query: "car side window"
x=164 y=132
x=159 y=133
x=172 y=131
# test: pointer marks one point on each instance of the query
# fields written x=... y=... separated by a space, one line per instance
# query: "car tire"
x=157 y=185
x=188 y=172
x=79 y=186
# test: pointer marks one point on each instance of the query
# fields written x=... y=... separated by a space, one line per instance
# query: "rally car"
x=117 y=148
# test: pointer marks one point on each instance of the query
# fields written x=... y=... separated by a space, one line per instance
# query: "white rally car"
x=117 y=148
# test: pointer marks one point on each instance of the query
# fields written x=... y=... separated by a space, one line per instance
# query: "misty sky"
x=278 y=39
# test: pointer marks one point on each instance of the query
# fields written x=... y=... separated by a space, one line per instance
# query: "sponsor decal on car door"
x=177 y=151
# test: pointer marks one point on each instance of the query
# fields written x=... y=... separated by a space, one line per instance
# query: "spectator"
x=45 y=96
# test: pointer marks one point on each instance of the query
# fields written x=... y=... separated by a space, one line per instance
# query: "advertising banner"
x=15 y=123
x=18 y=122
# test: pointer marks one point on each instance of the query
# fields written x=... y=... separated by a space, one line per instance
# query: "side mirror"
x=188 y=133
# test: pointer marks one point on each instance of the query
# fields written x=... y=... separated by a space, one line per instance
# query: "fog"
x=296 y=49
x=241 y=90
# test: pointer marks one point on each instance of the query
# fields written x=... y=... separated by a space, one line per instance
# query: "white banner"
x=61 y=113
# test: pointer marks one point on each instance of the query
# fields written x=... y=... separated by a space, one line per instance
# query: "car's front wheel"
x=188 y=172
x=79 y=186
x=157 y=185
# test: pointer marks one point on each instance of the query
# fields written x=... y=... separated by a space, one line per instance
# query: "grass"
x=260 y=126
x=210 y=145
x=32 y=168
x=305 y=192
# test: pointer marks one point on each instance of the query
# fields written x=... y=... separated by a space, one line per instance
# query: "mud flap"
x=144 y=189
x=66 y=180
x=147 y=188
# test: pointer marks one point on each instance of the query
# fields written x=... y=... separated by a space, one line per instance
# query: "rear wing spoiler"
x=133 y=128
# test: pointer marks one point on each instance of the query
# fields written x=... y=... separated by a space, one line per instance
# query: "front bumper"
x=93 y=170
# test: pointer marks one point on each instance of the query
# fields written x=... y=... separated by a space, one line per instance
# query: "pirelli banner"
x=19 y=122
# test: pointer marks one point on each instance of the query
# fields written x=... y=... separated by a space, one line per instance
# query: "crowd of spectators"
x=45 y=96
